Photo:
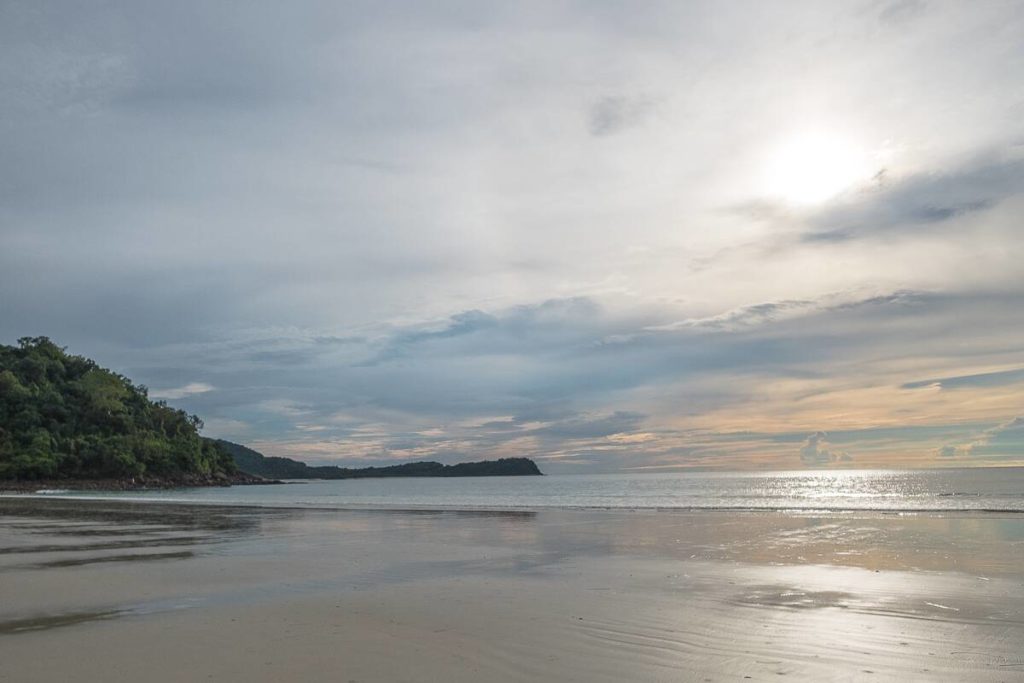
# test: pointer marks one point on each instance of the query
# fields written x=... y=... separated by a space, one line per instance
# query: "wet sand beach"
x=119 y=591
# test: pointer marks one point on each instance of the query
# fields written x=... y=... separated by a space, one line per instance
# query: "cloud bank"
x=353 y=233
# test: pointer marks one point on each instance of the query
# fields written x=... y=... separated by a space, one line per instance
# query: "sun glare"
x=814 y=167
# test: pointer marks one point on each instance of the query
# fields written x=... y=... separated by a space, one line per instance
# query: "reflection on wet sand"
x=44 y=623
x=557 y=595
x=70 y=534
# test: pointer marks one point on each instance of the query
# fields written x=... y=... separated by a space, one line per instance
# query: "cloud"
x=542 y=380
x=901 y=12
x=190 y=389
x=775 y=311
x=588 y=427
x=476 y=229
x=613 y=114
x=984 y=379
x=1003 y=442
x=816 y=451
x=233 y=430
x=335 y=340
x=521 y=326
x=745 y=316
x=916 y=202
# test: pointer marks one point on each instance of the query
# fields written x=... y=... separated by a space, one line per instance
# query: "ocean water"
x=981 y=490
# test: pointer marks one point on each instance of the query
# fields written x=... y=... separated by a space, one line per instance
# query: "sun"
x=812 y=167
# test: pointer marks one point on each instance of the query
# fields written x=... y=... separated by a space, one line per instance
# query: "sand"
x=110 y=591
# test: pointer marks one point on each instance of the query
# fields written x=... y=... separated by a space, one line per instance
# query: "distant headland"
x=66 y=422
x=252 y=462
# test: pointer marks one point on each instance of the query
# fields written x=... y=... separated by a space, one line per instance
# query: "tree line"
x=63 y=416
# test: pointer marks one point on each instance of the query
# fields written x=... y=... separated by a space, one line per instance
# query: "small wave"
x=456 y=506
x=52 y=492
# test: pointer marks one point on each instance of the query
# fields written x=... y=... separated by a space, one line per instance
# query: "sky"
x=609 y=236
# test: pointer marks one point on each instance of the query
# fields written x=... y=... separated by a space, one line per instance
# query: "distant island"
x=255 y=463
x=65 y=420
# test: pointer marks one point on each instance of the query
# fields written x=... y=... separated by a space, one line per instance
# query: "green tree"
x=63 y=416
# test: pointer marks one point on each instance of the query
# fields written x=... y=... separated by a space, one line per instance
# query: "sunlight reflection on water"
x=886 y=490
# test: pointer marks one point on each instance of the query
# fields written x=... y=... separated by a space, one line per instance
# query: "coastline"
x=140 y=483
x=909 y=493
x=70 y=494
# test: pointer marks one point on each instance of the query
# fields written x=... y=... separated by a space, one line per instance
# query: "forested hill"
x=64 y=417
x=256 y=463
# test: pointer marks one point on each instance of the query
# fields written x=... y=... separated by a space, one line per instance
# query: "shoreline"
x=733 y=535
x=65 y=493
x=141 y=483
x=922 y=493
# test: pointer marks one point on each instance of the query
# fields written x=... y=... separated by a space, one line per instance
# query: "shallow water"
x=979 y=489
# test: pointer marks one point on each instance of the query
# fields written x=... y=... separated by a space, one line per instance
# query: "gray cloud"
x=581 y=427
x=547 y=368
x=464 y=229
x=756 y=314
x=984 y=379
x=774 y=311
x=901 y=12
x=919 y=201
x=816 y=451
x=514 y=329
x=190 y=389
x=999 y=443
x=615 y=113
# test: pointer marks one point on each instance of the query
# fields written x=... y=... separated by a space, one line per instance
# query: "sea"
x=973 y=490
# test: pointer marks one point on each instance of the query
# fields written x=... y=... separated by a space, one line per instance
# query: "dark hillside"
x=255 y=463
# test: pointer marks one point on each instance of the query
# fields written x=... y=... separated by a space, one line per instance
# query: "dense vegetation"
x=256 y=463
x=64 y=417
